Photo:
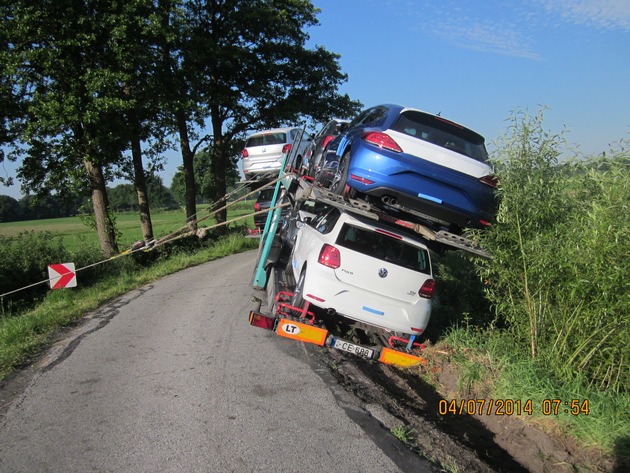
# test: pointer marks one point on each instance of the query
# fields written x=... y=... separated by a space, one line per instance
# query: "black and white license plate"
x=358 y=350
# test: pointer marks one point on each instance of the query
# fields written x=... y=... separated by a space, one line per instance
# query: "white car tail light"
x=427 y=289
x=245 y=153
x=329 y=256
x=286 y=148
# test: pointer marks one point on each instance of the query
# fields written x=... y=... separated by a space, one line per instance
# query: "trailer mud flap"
x=302 y=332
x=398 y=358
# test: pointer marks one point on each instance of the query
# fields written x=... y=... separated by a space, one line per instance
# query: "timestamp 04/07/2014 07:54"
x=508 y=407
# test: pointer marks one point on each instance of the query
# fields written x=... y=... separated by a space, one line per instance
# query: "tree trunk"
x=141 y=189
x=139 y=180
x=189 y=170
x=218 y=169
x=104 y=224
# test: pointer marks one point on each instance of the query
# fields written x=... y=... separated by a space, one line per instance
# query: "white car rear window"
x=384 y=247
x=266 y=139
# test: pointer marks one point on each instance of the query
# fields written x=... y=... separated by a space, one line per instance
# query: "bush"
x=459 y=293
x=24 y=262
x=559 y=276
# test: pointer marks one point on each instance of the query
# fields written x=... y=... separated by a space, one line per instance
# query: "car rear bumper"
x=328 y=292
x=257 y=166
x=439 y=192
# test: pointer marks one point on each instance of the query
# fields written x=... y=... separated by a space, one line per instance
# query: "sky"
x=477 y=61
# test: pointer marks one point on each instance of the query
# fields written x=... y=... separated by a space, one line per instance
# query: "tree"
x=63 y=69
x=10 y=105
x=178 y=187
x=86 y=81
x=10 y=209
x=135 y=37
x=204 y=166
x=180 y=97
x=160 y=195
x=122 y=198
x=243 y=73
x=257 y=74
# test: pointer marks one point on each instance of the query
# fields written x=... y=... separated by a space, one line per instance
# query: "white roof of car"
x=274 y=130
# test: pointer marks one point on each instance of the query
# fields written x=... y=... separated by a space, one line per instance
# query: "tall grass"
x=556 y=318
x=488 y=363
x=559 y=276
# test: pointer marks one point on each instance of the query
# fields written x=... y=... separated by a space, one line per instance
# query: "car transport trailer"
x=310 y=326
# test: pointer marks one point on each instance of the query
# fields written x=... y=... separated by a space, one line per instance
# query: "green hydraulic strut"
x=266 y=239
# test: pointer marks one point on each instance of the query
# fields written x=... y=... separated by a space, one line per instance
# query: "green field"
x=75 y=233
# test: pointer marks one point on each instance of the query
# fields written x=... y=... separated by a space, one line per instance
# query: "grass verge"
x=24 y=335
x=487 y=369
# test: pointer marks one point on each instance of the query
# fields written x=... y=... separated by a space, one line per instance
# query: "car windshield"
x=266 y=139
x=443 y=133
x=384 y=247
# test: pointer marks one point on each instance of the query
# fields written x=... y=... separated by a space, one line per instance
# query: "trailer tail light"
x=381 y=140
x=245 y=153
x=329 y=256
x=260 y=320
x=286 y=148
x=256 y=206
x=489 y=180
x=427 y=289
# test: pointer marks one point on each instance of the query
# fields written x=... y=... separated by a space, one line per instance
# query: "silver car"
x=265 y=150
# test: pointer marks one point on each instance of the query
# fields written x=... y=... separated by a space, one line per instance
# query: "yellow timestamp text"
x=509 y=407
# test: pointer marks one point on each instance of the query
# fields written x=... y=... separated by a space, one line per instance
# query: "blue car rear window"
x=443 y=133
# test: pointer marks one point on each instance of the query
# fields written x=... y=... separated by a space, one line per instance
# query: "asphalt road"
x=171 y=378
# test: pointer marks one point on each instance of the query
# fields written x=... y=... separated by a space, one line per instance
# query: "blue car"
x=417 y=164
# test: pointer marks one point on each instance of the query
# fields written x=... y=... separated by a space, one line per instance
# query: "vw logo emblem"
x=382 y=272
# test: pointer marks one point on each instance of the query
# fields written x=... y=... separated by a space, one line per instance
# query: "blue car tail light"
x=382 y=140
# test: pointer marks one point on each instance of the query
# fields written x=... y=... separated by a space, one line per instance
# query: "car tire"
x=298 y=294
x=339 y=187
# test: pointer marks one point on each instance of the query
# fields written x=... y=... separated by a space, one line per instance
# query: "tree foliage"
x=123 y=198
x=252 y=70
x=88 y=84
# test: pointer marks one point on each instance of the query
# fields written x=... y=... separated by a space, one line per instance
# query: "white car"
x=365 y=271
x=265 y=150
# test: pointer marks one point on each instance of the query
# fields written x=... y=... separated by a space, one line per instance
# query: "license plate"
x=343 y=345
